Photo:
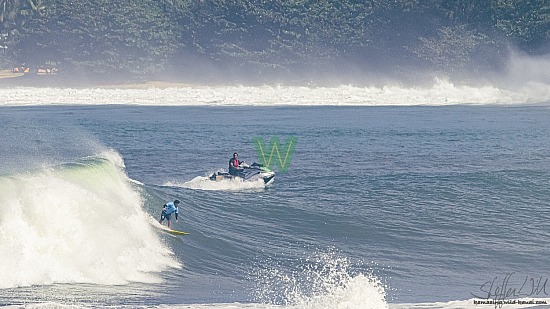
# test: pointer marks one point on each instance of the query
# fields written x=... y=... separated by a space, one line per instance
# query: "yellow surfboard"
x=176 y=232
x=171 y=231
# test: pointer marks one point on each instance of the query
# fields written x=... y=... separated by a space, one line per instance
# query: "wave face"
x=80 y=222
x=440 y=92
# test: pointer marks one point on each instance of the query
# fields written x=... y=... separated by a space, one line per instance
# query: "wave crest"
x=79 y=222
x=440 y=92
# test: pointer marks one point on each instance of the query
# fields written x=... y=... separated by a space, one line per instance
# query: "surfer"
x=234 y=165
x=167 y=210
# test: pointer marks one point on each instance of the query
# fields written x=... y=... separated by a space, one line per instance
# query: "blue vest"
x=171 y=208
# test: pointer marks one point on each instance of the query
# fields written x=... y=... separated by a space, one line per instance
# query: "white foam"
x=52 y=305
x=77 y=223
x=324 y=281
x=204 y=183
x=440 y=92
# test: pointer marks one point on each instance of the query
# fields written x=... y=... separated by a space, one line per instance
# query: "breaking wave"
x=80 y=222
x=440 y=92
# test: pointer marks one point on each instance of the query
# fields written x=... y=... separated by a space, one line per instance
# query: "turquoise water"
x=426 y=203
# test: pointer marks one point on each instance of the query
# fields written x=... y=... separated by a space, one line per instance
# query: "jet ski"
x=251 y=172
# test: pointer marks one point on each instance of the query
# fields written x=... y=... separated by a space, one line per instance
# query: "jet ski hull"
x=250 y=173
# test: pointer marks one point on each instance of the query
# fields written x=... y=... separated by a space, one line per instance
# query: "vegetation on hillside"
x=262 y=37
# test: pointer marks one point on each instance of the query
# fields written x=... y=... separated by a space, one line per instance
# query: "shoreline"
x=9 y=79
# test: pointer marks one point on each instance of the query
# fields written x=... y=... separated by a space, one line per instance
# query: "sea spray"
x=441 y=91
x=204 y=183
x=79 y=222
x=323 y=281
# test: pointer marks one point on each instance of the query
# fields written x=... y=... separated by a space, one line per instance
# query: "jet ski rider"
x=235 y=165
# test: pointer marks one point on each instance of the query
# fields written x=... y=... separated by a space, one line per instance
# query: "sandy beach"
x=9 y=74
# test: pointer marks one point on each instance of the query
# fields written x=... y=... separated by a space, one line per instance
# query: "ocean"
x=399 y=198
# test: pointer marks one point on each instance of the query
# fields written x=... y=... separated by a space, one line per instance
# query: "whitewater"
x=79 y=222
x=440 y=92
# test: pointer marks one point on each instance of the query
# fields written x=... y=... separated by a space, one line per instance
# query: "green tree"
x=279 y=34
x=102 y=36
x=14 y=14
x=270 y=36
x=526 y=22
x=453 y=49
